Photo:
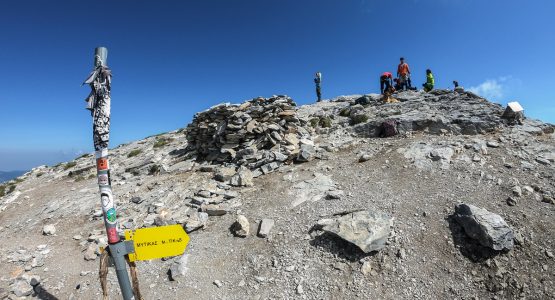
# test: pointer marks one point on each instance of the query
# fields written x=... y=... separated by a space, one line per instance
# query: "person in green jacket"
x=429 y=85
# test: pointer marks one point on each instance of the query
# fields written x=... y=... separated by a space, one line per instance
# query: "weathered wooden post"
x=99 y=104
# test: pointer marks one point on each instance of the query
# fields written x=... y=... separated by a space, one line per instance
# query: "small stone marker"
x=265 y=226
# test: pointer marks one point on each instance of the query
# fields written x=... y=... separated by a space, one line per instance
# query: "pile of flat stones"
x=260 y=135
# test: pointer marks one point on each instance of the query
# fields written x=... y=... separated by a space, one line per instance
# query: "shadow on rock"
x=469 y=247
x=336 y=245
x=43 y=294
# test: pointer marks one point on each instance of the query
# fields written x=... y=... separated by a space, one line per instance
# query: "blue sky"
x=171 y=59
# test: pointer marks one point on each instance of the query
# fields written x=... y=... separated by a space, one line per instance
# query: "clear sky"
x=171 y=59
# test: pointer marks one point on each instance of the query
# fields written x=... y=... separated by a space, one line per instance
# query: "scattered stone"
x=38 y=261
x=137 y=200
x=290 y=268
x=196 y=221
x=21 y=288
x=511 y=201
x=243 y=177
x=300 y=289
x=517 y=191
x=218 y=283
x=178 y=268
x=230 y=194
x=214 y=209
x=77 y=237
x=366 y=229
x=90 y=253
x=543 y=161
x=519 y=239
x=548 y=198
x=204 y=194
x=49 y=229
x=265 y=226
x=334 y=194
x=442 y=153
x=269 y=168
x=487 y=228
x=314 y=189
x=401 y=253
x=364 y=157
x=306 y=153
x=241 y=227
x=527 y=190
x=366 y=267
x=224 y=174
x=492 y=144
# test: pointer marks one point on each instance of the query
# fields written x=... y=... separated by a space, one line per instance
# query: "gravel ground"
x=427 y=257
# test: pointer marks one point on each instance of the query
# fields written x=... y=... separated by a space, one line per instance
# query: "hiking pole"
x=99 y=104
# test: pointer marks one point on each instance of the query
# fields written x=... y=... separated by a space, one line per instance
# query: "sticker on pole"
x=157 y=242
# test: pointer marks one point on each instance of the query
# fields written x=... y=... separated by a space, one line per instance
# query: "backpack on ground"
x=389 y=128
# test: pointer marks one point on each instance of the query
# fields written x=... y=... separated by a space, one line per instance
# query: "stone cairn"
x=261 y=134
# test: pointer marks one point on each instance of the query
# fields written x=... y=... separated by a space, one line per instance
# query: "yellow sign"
x=157 y=242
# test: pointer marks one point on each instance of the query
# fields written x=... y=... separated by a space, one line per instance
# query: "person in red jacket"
x=403 y=73
x=386 y=81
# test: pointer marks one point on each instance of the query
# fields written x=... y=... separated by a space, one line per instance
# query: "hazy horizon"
x=175 y=58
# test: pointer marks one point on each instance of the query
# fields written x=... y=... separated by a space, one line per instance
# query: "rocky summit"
x=435 y=196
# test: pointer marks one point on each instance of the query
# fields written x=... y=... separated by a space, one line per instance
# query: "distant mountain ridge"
x=9 y=175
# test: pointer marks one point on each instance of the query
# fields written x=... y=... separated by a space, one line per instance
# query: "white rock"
x=49 y=229
x=265 y=226
x=241 y=227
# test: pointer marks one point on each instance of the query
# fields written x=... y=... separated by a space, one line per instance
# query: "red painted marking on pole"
x=102 y=164
x=112 y=235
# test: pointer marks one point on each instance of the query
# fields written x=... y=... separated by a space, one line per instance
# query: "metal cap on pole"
x=101 y=57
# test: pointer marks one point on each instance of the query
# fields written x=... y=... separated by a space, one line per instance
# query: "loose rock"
x=487 y=228
x=49 y=229
x=265 y=226
x=369 y=230
x=241 y=227
x=179 y=268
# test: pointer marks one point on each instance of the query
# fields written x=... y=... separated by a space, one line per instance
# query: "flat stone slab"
x=369 y=230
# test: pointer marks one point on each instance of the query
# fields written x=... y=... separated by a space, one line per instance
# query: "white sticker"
x=101 y=153
x=107 y=200
x=103 y=179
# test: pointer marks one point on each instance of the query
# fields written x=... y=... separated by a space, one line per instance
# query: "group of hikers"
x=388 y=84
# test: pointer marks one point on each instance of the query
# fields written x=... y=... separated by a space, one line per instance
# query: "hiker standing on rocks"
x=403 y=73
x=386 y=82
x=318 y=81
x=429 y=85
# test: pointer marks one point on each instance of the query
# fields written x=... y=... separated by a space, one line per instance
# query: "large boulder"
x=487 y=228
x=369 y=230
